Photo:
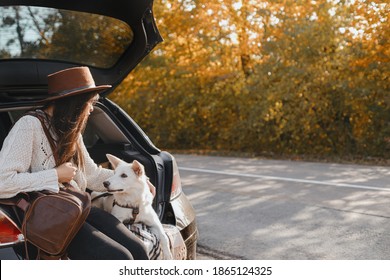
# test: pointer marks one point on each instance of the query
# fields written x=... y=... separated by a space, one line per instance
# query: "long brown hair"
x=69 y=119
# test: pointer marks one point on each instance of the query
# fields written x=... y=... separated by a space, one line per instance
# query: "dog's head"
x=126 y=175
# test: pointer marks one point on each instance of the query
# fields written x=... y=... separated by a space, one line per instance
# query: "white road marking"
x=324 y=183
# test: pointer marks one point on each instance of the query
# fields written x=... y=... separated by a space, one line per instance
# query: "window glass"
x=52 y=34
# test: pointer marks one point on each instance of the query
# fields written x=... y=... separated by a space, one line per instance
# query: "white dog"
x=132 y=199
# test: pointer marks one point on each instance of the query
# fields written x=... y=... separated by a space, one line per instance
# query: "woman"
x=28 y=163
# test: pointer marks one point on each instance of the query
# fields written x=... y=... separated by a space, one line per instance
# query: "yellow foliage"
x=288 y=77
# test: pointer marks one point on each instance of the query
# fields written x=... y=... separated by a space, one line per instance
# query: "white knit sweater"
x=27 y=162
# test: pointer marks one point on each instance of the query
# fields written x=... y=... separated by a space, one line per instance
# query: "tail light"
x=9 y=233
x=176 y=181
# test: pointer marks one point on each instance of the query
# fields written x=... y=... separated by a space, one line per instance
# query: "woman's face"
x=91 y=103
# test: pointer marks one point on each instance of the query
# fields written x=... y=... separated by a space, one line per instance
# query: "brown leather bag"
x=51 y=220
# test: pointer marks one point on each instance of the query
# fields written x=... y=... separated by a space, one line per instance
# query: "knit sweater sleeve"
x=15 y=161
x=95 y=175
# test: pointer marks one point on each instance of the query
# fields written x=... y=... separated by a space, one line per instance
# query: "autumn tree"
x=281 y=77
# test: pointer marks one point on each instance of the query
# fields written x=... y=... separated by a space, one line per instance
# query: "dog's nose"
x=106 y=184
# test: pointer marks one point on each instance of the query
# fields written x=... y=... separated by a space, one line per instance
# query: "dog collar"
x=100 y=196
x=135 y=212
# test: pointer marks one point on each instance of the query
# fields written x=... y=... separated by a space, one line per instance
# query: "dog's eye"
x=124 y=175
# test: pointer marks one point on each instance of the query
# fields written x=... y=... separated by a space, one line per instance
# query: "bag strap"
x=41 y=116
x=21 y=200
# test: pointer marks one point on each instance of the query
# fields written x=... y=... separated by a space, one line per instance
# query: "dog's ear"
x=113 y=160
x=138 y=168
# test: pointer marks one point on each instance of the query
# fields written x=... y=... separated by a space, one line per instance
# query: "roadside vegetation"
x=291 y=79
x=274 y=78
x=296 y=79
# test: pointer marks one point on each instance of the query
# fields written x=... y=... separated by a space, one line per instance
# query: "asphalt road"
x=285 y=210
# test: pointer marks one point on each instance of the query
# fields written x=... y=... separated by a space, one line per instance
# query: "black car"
x=111 y=37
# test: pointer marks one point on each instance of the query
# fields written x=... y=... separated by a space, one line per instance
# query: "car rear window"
x=52 y=34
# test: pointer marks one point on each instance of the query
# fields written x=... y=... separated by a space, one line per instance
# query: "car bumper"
x=186 y=222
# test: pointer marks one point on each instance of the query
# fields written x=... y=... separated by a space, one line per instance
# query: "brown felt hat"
x=71 y=81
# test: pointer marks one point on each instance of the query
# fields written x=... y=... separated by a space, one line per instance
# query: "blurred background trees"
x=280 y=77
x=267 y=77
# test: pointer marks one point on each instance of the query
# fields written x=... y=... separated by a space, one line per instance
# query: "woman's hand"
x=66 y=172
